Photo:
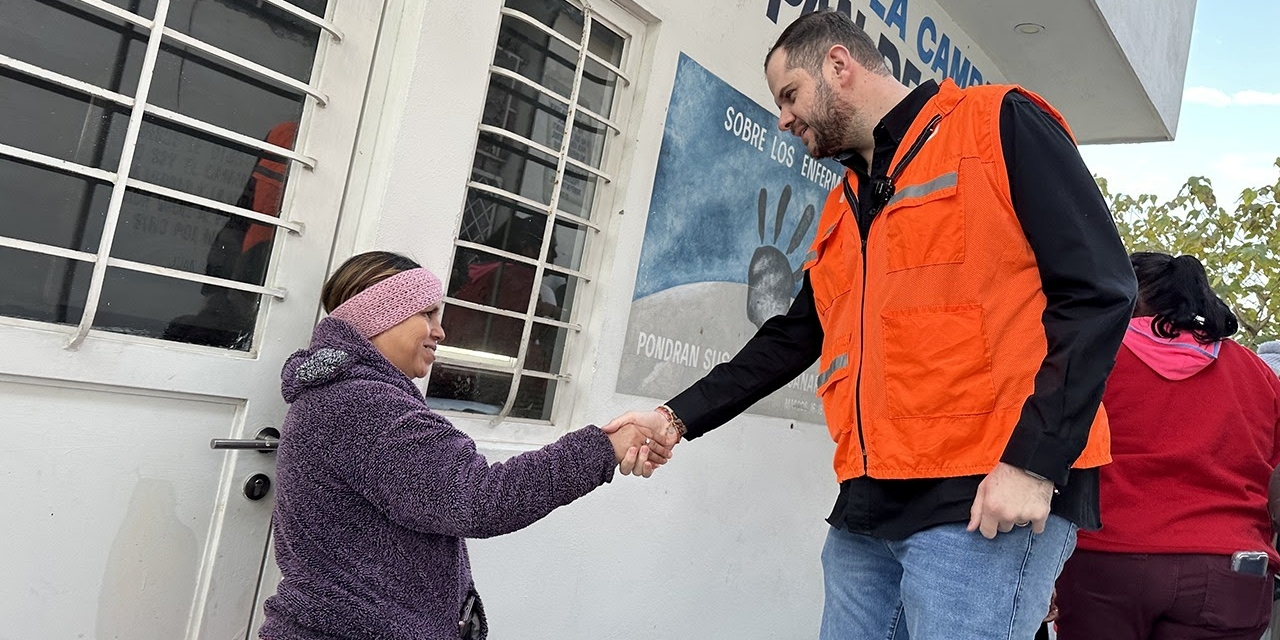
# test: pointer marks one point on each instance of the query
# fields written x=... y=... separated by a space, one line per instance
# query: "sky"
x=1228 y=130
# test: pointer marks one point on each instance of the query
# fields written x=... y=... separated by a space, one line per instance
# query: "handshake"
x=643 y=440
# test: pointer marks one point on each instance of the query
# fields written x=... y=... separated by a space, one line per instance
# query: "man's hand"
x=1053 y=608
x=662 y=435
x=1009 y=497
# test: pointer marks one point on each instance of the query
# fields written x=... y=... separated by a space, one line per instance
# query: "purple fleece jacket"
x=376 y=494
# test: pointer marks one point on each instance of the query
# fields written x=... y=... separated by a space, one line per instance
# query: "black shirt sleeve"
x=1088 y=284
x=782 y=349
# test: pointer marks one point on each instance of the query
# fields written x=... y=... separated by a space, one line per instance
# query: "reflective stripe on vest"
x=944 y=181
x=841 y=361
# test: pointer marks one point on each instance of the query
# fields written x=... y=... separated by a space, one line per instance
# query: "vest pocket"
x=837 y=397
x=936 y=362
x=829 y=264
x=925 y=225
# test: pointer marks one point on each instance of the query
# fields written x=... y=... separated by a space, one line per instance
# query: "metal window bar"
x=121 y=178
x=626 y=80
x=543 y=89
x=483 y=360
x=108 y=177
x=550 y=93
x=56 y=163
x=516 y=315
x=477 y=365
x=578 y=220
x=578 y=164
x=529 y=204
x=559 y=377
x=480 y=365
x=307 y=17
x=229 y=135
x=71 y=83
x=599 y=118
x=535 y=23
x=110 y=10
x=465 y=304
x=549 y=232
x=48 y=250
x=273 y=77
x=514 y=257
x=182 y=196
x=552 y=322
x=503 y=133
x=565 y=271
x=504 y=146
x=179 y=274
x=551 y=55
x=609 y=67
x=64 y=81
x=121 y=99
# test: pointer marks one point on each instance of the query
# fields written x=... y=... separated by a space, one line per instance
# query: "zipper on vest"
x=911 y=155
x=882 y=198
x=862 y=310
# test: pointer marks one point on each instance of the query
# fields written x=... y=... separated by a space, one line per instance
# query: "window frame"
x=611 y=191
x=303 y=157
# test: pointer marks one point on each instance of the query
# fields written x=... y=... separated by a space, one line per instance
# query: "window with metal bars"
x=533 y=210
x=144 y=150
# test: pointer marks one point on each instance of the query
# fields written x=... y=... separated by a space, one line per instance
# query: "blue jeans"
x=942 y=583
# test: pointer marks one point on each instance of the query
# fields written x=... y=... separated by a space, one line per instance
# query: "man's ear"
x=841 y=66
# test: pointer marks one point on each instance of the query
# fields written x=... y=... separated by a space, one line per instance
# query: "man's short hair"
x=811 y=36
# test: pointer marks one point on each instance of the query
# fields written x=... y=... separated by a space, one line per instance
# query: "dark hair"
x=360 y=272
x=811 y=36
x=1176 y=291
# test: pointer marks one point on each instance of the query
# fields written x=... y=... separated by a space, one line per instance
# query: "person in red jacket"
x=1194 y=422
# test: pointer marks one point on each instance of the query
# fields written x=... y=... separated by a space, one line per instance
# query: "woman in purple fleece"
x=377 y=493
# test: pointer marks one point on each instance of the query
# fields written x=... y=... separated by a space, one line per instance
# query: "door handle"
x=267 y=441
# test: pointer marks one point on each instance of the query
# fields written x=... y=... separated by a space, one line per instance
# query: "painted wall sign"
x=734 y=207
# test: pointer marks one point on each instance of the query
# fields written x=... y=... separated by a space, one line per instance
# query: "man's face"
x=810 y=109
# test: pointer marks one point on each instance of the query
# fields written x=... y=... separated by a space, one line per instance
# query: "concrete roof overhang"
x=1115 y=68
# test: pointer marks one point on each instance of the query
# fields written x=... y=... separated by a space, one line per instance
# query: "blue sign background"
x=703 y=223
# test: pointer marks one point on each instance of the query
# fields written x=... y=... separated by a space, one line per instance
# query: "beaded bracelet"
x=672 y=419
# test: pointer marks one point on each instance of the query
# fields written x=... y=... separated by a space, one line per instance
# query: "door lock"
x=257 y=486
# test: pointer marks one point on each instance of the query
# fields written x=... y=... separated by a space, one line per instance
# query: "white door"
x=153 y=278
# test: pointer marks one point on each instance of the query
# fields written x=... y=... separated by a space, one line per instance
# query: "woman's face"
x=411 y=345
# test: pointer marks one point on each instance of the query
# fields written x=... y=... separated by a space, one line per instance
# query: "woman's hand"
x=631 y=450
x=663 y=435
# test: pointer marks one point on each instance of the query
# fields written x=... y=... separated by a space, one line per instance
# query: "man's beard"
x=834 y=124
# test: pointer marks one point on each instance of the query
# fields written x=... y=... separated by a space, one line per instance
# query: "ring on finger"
x=1022 y=524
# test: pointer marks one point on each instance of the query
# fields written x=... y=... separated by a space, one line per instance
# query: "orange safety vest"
x=933 y=331
x=268 y=190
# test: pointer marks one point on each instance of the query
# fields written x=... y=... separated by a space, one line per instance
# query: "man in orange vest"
x=965 y=297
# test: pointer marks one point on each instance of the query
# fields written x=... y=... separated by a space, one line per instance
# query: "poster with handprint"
x=734 y=210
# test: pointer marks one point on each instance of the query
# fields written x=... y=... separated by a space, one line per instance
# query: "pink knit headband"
x=391 y=301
